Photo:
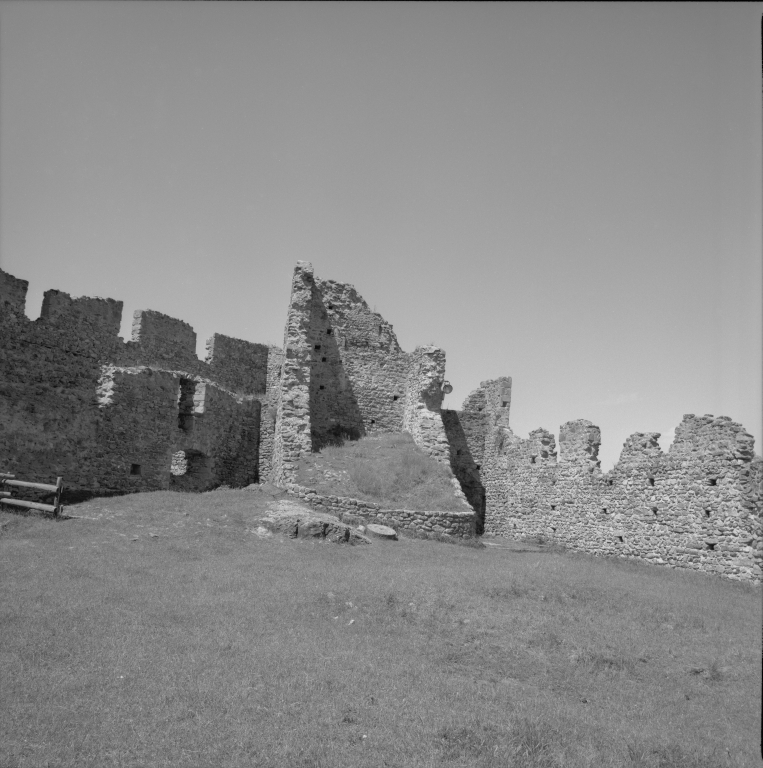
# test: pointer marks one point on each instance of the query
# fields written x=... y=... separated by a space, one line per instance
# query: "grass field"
x=160 y=630
x=389 y=469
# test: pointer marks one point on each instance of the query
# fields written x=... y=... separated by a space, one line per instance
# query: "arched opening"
x=190 y=470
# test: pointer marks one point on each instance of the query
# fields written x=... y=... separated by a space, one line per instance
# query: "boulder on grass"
x=381 y=532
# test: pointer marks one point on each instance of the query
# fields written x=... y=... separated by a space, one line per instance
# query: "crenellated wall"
x=113 y=417
x=76 y=401
x=696 y=507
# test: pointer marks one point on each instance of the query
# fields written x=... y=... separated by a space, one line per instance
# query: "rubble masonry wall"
x=696 y=507
x=78 y=402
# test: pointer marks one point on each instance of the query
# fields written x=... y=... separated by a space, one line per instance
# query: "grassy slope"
x=388 y=469
x=204 y=645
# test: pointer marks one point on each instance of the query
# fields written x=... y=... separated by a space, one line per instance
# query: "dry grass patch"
x=388 y=469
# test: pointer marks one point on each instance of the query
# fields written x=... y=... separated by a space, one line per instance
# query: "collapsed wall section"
x=344 y=374
x=472 y=433
x=422 y=415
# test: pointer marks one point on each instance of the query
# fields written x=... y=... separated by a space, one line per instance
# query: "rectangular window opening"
x=395 y=397
x=322 y=387
x=553 y=507
x=186 y=404
x=651 y=481
x=604 y=510
x=710 y=545
x=323 y=359
x=328 y=331
x=317 y=347
x=707 y=513
x=621 y=539
x=713 y=481
x=134 y=469
x=654 y=511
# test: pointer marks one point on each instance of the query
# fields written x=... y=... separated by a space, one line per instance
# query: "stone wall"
x=434 y=524
x=345 y=376
x=696 y=507
x=76 y=401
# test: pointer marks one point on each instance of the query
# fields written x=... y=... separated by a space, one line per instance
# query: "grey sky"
x=568 y=194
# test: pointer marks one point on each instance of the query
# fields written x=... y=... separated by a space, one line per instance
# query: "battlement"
x=713 y=437
x=164 y=336
x=90 y=326
x=13 y=293
x=579 y=442
x=83 y=314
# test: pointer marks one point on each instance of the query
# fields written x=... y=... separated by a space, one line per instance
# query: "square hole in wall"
x=713 y=481
x=135 y=469
x=707 y=513
x=553 y=507
x=654 y=511
x=395 y=397
x=532 y=459
x=710 y=545
x=479 y=466
x=331 y=306
x=651 y=482
x=321 y=387
x=605 y=510
x=317 y=346
x=373 y=421
x=621 y=539
x=329 y=331
x=323 y=359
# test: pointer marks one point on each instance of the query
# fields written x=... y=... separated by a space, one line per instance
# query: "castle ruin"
x=118 y=417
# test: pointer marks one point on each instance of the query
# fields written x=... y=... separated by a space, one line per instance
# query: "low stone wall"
x=428 y=524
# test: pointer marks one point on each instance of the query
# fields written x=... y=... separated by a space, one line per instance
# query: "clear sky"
x=568 y=194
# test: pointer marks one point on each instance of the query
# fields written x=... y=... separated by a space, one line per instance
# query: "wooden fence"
x=8 y=481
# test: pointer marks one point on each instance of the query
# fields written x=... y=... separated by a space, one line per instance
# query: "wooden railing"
x=8 y=481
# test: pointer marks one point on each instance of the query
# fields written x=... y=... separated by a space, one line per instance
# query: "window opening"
x=328 y=331
x=331 y=306
x=710 y=545
x=479 y=466
x=713 y=481
x=322 y=387
x=604 y=510
x=654 y=511
x=186 y=404
x=317 y=346
x=651 y=481
x=707 y=513
x=395 y=397
x=323 y=359
x=458 y=452
x=134 y=469
x=532 y=459
x=621 y=539
x=553 y=507
x=373 y=421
